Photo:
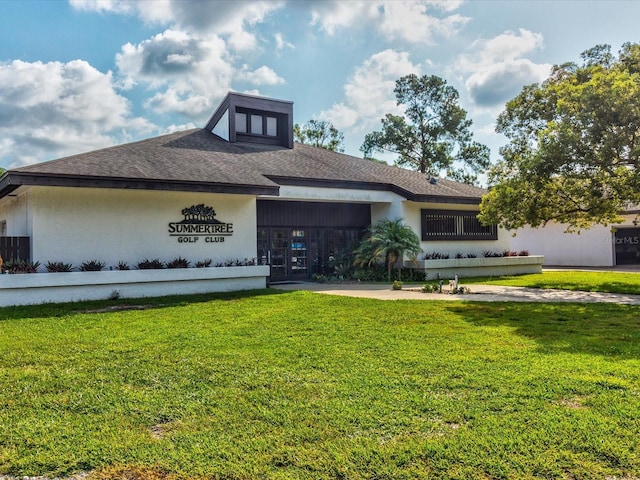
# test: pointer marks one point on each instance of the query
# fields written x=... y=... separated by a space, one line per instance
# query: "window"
x=241 y=122
x=454 y=225
x=272 y=126
x=256 y=125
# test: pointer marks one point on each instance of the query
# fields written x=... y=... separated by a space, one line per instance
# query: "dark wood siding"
x=313 y=214
x=15 y=248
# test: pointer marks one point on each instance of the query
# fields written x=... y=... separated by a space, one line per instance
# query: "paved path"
x=482 y=293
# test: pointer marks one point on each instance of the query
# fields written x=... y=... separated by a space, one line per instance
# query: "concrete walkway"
x=482 y=293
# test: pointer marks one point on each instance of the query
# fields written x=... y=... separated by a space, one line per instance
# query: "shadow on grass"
x=48 y=310
x=608 y=330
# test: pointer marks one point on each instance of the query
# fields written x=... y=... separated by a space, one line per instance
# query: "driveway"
x=482 y=293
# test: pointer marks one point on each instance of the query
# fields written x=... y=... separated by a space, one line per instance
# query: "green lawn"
x=588 y=281
x=299 y=385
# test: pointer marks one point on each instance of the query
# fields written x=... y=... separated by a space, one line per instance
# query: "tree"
x=388 y=240
x=574 y=146
x=434 y=135
x=319 y=133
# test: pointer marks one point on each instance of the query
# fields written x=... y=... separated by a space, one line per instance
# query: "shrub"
x=56 y=267
x=428 y=288
x=20 y=266
x=123 y=266
x=471 y=255
x=459 y=255
x=490 y=254
x=204 y=263
x=342 y=271
x=178 y=263
x=523 y=253
x=92 y=266
x=374 y=273
x=417 y=275
x=436 y=256
x=396 y=285
x=147 y=264
x=460 y=290
x=319 y=278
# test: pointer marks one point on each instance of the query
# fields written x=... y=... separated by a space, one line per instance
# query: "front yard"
x=301 y=385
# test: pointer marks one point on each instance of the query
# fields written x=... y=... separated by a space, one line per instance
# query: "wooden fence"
x=15 y=248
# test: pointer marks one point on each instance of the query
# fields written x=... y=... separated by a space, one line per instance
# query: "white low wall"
x=478 y=267
x=37 y=288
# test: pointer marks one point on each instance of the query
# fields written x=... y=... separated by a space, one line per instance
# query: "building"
x=235 y=190
x=599 y=246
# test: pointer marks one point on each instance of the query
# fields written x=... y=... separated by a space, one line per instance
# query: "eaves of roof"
x=11 y=181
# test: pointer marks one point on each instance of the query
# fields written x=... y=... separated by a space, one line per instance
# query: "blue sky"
x=85 y=74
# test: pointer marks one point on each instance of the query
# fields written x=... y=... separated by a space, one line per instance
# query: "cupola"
x=253 y=119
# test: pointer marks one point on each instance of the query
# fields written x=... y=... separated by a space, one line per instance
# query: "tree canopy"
x=574 y=145
x=319 y=133
x=433 y=136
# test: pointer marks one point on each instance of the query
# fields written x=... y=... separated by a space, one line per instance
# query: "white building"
x=238 y=189
x=599 y=246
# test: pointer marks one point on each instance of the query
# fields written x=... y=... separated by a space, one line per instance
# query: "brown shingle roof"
x=198 y=160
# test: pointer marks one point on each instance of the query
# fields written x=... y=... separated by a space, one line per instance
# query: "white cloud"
x=104 y=6
x=192 y=71
x=261 y=76
x=48 y=110
x=333 y=14
x=497 y=70
x=189 y=73
x=281 y=43
x=227 y=18
x=368 y=94
x=410 y=21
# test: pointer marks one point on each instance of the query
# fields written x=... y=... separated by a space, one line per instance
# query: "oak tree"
x=319 y=133
x=434 y=135
x=574 y=146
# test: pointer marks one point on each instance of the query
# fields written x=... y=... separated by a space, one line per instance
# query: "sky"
x=79 y=75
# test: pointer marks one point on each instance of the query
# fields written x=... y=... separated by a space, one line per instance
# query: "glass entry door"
x=280 y=256
x=285 y=250
x=298 y=254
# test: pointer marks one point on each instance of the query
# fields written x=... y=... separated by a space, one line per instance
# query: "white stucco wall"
x=411 y=216
x=590 y=248
x=81 y=224
x=15 y=212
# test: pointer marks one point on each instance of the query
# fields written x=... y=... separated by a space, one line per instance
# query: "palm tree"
x=388 y=240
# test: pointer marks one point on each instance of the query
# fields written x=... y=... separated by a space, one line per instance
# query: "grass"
x=587 y=281
x=299 y=385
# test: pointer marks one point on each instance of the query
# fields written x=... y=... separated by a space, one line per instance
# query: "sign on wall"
x=200 y=223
